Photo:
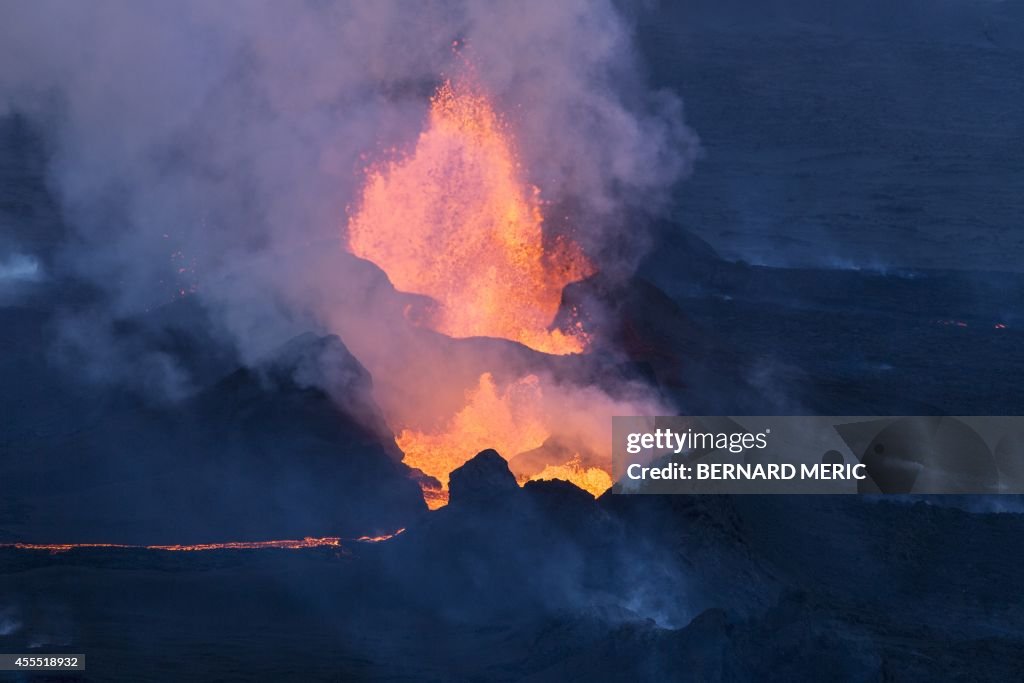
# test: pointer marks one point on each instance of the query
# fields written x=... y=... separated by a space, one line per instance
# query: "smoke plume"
x=213 y=152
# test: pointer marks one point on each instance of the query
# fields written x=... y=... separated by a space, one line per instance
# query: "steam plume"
x=210 y=151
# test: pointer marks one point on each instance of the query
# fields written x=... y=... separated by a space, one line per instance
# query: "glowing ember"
x=456 y=222
x=288 y=544
x=591 y=479
x=505 y=420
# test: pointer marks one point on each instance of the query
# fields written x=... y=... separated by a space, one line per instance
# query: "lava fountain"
x=456 y=221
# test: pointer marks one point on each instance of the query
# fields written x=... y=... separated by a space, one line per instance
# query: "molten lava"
x=455 y=221
x=381 y=538
x=511 y=420
x=504 y=420
x=594 y=480
x=287 y=544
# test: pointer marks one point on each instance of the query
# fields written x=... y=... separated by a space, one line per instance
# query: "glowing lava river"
x=288 y=544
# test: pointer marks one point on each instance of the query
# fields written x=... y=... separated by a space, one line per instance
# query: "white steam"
x=204 y=149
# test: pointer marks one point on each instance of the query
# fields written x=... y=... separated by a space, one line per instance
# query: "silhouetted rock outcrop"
x=484 y=479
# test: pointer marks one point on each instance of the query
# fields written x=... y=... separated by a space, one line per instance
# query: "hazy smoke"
x=208 y=149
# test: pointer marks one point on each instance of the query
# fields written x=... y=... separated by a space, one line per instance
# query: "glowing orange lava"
x=504 y=420
x=288 y=544
x=455 y=221
x=381 y=538
x=594 y=480
x=511 y=420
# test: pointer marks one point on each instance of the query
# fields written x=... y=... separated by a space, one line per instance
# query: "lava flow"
x=287 y=544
